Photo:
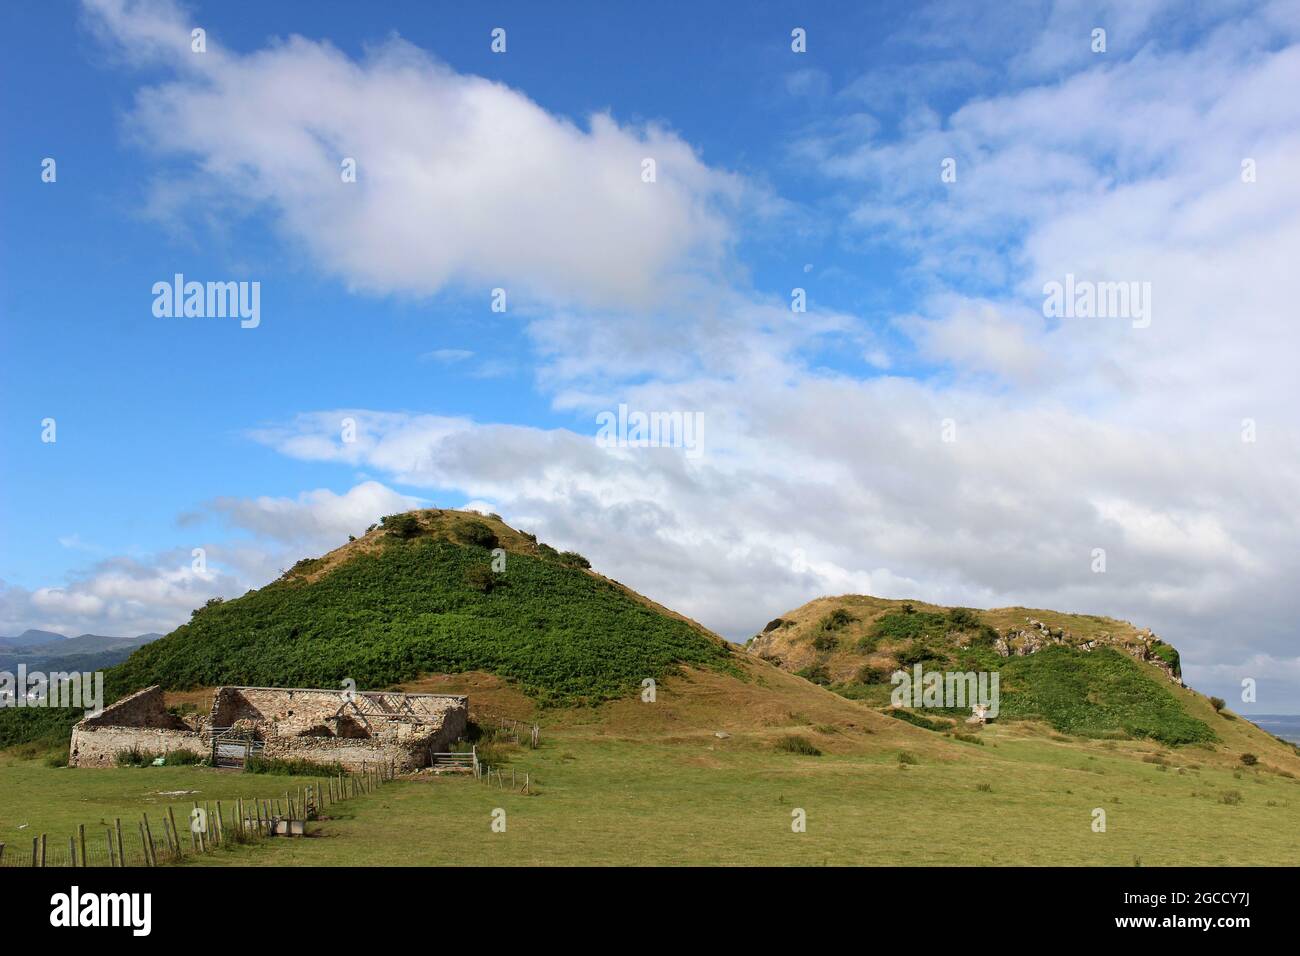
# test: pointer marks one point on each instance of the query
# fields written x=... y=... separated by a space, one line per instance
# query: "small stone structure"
x=352 y=728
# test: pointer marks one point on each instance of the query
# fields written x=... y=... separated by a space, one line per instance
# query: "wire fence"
x=171 y=837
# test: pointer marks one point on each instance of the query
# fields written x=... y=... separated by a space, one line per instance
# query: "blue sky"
x=825 y=467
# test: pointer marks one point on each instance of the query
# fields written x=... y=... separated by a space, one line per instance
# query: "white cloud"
x=318 y=518
x=460 y=180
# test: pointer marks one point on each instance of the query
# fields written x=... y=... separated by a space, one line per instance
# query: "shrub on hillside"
x=479 y=577
x=574 y=560
x=825 y=641
x=772 y=625
x=207 y=605
x=401 y=526
x=1249 y=759
x=868 y=674
x=1218 y=703
x=898 y=626
x=478 y=534
x=964 y=619
x=816 y=673
x=794 y=744
x=837 y=619
x=919 y=651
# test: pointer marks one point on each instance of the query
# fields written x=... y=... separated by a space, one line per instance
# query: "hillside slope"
x=1085 y=675
x=420 y=594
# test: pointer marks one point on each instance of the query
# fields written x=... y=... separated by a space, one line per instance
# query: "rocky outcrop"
x=1021 y=642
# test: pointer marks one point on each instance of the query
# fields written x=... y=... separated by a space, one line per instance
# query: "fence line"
x=162 y=841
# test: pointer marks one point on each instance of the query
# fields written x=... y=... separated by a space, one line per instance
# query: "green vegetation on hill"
x=423 y=604
x=1099 y=693
x=1094 y=694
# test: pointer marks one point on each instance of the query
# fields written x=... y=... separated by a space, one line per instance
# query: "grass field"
x=651 y=784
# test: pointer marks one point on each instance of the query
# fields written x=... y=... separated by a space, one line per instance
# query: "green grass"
x=615 y=802
x=55 y=800
x=605 y=801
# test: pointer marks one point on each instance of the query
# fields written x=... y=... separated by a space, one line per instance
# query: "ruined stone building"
x=354 y=729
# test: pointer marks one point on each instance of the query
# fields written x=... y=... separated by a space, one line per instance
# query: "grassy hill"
x=734 y=742
x=1084 y=675
x=420 y=595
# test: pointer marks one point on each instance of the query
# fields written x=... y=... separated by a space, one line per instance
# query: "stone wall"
x=293 y=724
x=322 y=726
x=141 y=721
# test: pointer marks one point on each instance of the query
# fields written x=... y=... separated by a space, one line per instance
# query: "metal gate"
x=232 y=748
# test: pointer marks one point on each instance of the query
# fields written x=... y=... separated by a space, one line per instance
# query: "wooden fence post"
x=121 y=847
x=81 y=835
x=153 y=854
x=175 y=833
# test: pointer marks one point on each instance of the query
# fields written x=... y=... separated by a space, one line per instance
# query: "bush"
x=867 y=674
x=925 y=723
x=135 y=757
x=401 y=526
x=479 y=577
x=296 y=768
x=1218 y=703
x=906 y=757
x=837 y=619
x=1249 y=759
x=817 y=673
x=772 y=625
x=574 y=560
x=209 y=603
x=478 y=534
x=795 y=744
x=964 y=619
x=825 y=641
x=1230 y=797
x=919 y=651
x=898 y=626
x=184 y=758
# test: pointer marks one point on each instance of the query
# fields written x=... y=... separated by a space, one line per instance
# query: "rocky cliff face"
x=1144 y=646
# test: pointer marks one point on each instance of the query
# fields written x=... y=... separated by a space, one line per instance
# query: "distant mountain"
x=31 y=638
x=47 y=650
